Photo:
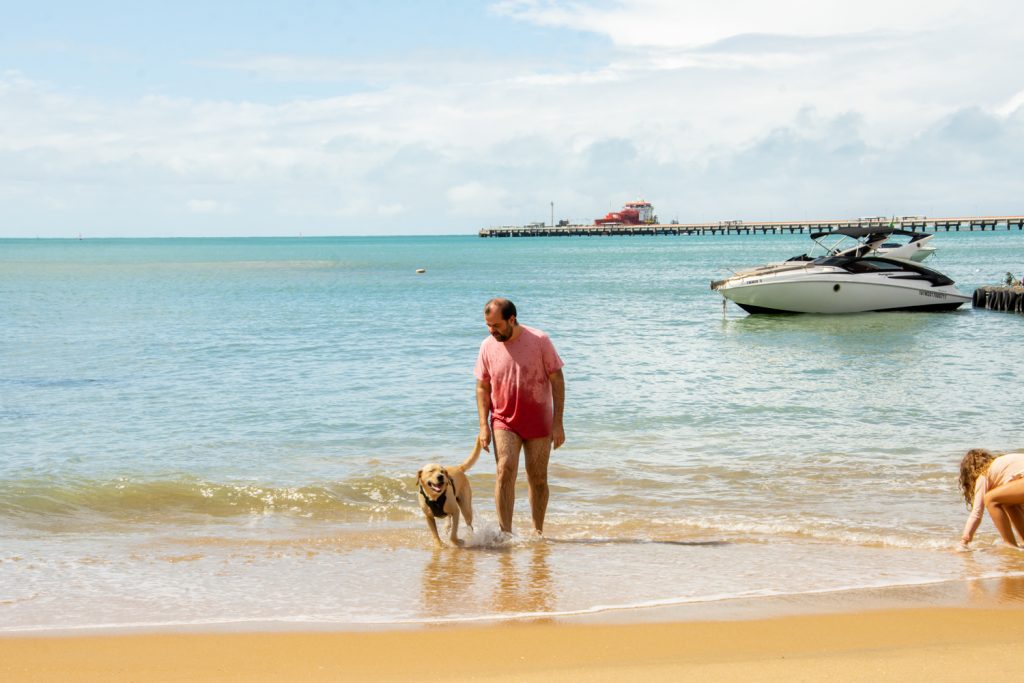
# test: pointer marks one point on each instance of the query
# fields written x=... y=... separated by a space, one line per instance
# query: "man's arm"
x=483 y=410
x=558 y=398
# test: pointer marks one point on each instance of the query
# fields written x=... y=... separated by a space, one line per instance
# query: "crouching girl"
x=993 y=483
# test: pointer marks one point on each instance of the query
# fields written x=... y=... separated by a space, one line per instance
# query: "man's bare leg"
x=538 y=453
x=506 y=456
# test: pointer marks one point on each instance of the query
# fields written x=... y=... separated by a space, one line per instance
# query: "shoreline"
x=913 y=633
x=1002 y=592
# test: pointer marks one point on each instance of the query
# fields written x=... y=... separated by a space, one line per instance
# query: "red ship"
x=633 y=213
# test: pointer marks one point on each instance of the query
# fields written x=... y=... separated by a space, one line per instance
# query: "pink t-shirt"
x=1003 y=469
x=518 y=372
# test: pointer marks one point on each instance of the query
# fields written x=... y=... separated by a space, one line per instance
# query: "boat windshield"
x=880 y=264
x=872 y=265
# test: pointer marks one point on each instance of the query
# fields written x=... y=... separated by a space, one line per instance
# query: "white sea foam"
x=487 y=535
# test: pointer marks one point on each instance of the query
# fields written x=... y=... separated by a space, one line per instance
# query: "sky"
x=308 y=117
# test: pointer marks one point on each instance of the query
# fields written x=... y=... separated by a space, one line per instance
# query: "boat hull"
x=831 y=293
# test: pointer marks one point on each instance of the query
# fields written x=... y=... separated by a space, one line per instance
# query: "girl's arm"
x=977 y=511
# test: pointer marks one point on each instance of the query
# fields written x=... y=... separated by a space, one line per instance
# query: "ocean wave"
x=141 y=499
x=827 y=531
x=641 y=510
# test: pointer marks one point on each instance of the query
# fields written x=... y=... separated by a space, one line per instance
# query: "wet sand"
x=914 y=643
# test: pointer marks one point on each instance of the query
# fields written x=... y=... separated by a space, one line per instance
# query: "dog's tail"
x=471 y=460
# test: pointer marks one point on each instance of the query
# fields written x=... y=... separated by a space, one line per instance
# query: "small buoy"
x=420 y=271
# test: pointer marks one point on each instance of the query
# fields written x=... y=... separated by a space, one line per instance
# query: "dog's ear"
x=444 y=471
x=419 y=477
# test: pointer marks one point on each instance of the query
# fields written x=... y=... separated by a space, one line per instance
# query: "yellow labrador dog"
x=444 y=491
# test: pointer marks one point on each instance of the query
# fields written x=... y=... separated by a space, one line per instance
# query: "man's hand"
x=557 y=434
x=485 y=438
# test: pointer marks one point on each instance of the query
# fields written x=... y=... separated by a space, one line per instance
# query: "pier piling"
x=1009 y=299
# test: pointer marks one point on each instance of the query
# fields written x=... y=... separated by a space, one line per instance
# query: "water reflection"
x=524 y=581
x=901 y=326
x=511 y=581
x=1003 y=590
x=446 y=576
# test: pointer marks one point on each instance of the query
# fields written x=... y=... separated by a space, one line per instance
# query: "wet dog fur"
x=436 y=481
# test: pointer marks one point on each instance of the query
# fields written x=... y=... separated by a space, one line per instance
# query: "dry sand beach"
x=934 y=643
x=904 y=645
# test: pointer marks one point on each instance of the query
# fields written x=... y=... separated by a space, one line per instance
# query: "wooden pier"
x=920 y=224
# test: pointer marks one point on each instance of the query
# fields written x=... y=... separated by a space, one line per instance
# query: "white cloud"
x=669 y=23
x=382 y=72
x=1012 y=105
x=210 y=206
x=476 y=199
x=390 y=210
x=725 y=118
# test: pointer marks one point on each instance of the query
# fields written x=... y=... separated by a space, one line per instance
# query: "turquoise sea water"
x=227 y=430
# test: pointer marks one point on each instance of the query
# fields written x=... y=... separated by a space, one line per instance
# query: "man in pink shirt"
x=520 y=393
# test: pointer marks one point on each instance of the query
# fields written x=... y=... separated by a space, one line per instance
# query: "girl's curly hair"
x=973 y=465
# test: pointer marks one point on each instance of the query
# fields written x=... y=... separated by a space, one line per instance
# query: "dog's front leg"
x=432 y=523
x=455 y=527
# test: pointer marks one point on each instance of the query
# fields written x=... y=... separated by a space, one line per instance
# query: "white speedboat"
x=845 y=280
x=917 y=248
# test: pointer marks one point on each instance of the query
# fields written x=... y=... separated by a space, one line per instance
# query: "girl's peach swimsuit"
x=1003 y=469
